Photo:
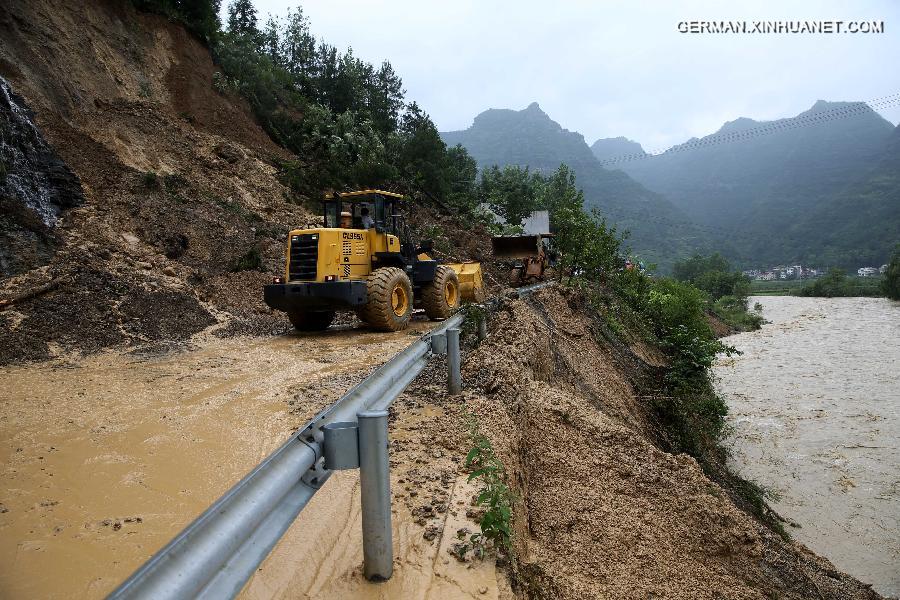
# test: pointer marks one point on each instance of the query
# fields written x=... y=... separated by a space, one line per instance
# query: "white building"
x=867 y=272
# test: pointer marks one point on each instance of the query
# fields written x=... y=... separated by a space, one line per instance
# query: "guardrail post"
x=375 y=487
x=482 y=328
x=454 y=377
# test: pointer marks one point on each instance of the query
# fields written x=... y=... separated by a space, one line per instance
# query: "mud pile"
x=183 y=215
x=602 y=511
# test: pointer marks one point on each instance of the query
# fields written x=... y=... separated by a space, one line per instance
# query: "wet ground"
x=815 y=407
x=103 y=459
x=321 y=555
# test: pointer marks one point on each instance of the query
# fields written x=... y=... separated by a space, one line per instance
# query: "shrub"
x=249 y=261
x=150 y=180
x=890 y=285
x=493 y=494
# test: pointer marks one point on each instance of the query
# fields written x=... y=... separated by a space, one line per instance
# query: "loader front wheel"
x=390 y=300
x=441 y=298
x=311 y=321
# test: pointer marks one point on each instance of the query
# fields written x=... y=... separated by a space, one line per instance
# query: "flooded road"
x=815 y=407
x=104 y=459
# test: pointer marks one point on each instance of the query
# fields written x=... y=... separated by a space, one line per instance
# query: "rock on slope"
x=179 y=185
x=602 y=511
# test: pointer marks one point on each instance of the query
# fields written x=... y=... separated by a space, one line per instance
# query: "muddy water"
x=320 y=557
x=103 y=459
x=815 y=407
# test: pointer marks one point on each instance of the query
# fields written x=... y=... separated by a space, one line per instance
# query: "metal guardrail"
x=214 y=556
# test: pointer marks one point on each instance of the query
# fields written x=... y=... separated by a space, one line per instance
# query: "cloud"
x=613 y=68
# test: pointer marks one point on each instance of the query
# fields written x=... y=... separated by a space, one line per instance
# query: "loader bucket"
x=516 y=246
x=471 y=280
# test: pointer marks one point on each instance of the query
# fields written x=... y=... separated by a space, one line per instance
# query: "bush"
x=150 y=180
x=713 y=275
x=493 y=494
x=836 y=284
x=890 y=285
x=249 y=261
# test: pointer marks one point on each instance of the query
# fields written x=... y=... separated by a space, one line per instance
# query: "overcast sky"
x=607 y=68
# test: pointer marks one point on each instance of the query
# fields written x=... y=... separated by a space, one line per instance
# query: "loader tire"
x=390 y=300
x=311 y=320
x=516 y=278
x=441 y=297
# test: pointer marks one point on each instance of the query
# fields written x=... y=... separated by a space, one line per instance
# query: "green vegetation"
x=835 y=283
x=200 y=16
x=726 y=290
x=659 y=232
x=150 y=180
x=890 y=283
x=493 y=494
x=827 y=194
x=249 y=261
x=776 y=287
x=346 y=120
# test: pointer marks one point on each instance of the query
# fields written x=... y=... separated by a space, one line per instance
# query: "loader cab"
x=384 y=208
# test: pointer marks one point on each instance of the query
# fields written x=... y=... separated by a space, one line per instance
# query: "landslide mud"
x=602 y=511
x=105 y=458
x=814 y=405
x=321 y=555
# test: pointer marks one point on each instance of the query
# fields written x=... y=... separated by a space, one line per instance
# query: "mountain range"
x=821 y=188
x=659 y=231
x=818 y=188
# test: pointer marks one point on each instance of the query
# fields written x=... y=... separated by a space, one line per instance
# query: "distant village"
x=801 y=272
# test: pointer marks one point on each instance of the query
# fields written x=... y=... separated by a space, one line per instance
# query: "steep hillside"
x=659 y=231
x=180 y=188
x=768 y=189
x=610 y=151
x=602 y=510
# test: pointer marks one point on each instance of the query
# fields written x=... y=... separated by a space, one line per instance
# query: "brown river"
x=815 y=410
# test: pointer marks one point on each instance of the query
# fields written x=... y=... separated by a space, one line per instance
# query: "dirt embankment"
x=602 y=511
x=179 y=185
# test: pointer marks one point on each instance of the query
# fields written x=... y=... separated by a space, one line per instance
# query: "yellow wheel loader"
x=364 y=260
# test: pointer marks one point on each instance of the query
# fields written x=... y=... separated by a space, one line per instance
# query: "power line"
x=816 y=118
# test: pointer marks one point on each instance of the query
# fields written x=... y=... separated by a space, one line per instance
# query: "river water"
x=815 y=410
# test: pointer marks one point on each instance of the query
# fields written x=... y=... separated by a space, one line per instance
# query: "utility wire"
x=766 y=128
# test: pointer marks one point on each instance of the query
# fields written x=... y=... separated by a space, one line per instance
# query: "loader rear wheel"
x=440 y=298
x=390 y=300
x=311 y=321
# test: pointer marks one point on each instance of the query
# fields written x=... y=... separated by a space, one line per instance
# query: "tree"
x=200 y=16
x=462 y=172
x=270 y=40
x=242 y=19
x=421 y=153
x=298 y=53
x=511 y=192
x=713 y=275
x=890 y=285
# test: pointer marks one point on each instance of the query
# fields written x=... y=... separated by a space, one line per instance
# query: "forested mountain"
x=610 y=151
x=816 y=188
x=659 y=231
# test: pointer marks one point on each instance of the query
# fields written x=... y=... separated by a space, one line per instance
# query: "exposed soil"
x=105 y=458
x=179 y=184
x=602 y=511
